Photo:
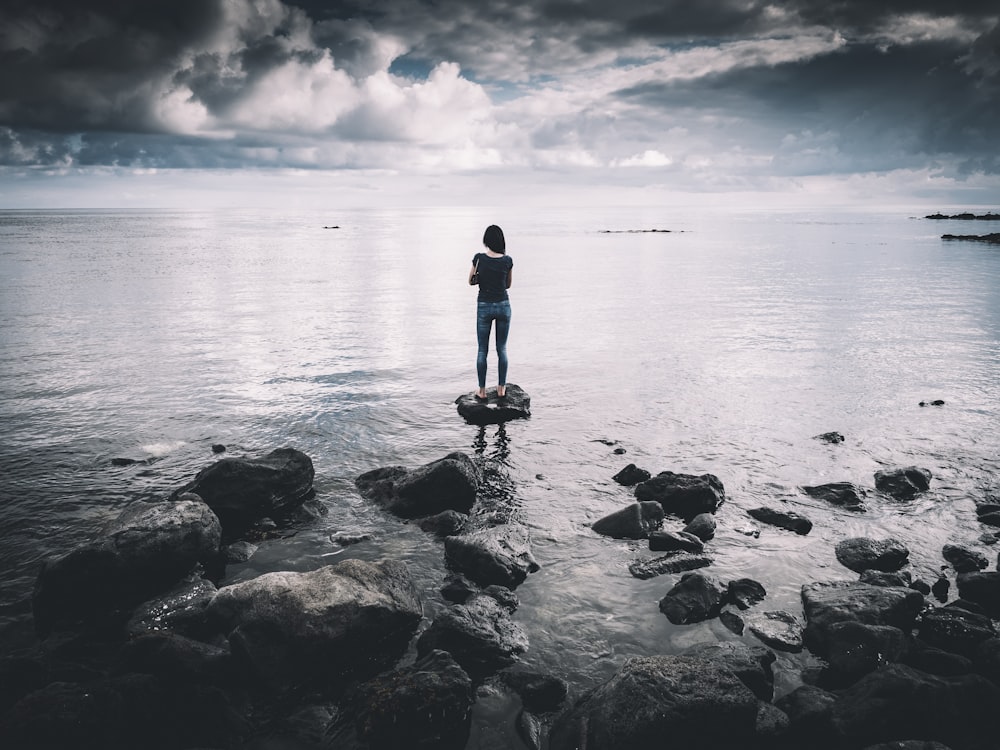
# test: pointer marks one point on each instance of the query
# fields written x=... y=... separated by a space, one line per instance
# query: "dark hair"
x=493 y=239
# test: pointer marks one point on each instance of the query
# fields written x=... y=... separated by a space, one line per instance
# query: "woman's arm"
x=510 y=277
x=472 y=272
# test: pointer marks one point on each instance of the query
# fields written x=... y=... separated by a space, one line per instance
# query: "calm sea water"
x=722 y=346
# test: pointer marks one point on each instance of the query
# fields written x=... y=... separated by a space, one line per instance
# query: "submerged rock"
x=146 y=550
x=515 y=404
x=479 y=634
x=669 y=541
x=683 y=495
x=450 y=483
x=634 y=521
x=498 y=554
x=539 y=692
x=861 y=554
x=425 y=705
x=843 y=494
x=694 y=598
x=702 y=526
x=631 y=475
x=243 y=490
x=675 y=562
x=686 y=700
x=903 y=484
x=745 y=592
x=321 y=627
x=829 y=437
x=783 y=519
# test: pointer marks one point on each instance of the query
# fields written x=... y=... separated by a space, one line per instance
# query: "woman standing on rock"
x=493 y=271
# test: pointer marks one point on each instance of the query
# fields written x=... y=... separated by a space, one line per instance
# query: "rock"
x=783 y=519
x=635 y=521
x=347 y=539
x=183 y=610
x=445 y=523
x=772 y=724
x=631 y=475
x=751 y=664
x=733 y=622
x=748 y=530
x=529 y=730
x=479 y=635
x=450 y=483
x=983 y=588
x=940 y=589
x=899 y=701
x=988 y=538
x=176 y=657
x=843 y=494
x=936 y=661
x=457 y=589
x=675 y=562
x=990 y=519
x=127 y=711
x=240 y=552
x=963 y=559
x=829 y=437
x=694 y=598
x=855 y=648
x=883 y=578
x=861 y=554
x=745 y=592
x=619 y=451
x=778 y=629
x=515 y=404
x=218 y=448
x=498 y=554
x=334 y=623
x=540 y=693
x=909 y=744
x=242 y=490
x=809 y=709
x=903 y=484
x=426 y=705
x=670 y=541
x=918 y=585
x=504 y=597
x=702 y=526
x=683 y=495
x=121 y=461
x=146 y=550
x=828 y=603
x=987 y=660
x=685 y=700
x=955 y=629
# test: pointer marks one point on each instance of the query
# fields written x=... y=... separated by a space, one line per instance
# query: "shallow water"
x=722 y=346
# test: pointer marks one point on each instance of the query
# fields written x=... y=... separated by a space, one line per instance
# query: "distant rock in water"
x=450 y=483
x=829 y=437
x=844 y=494
x=675 y=562
x=861 y=554
x=631 y=475
x=782 y=518
x=903 y=484
x=683 y=495
x=966 y=216
x=935 y=402
x=515 y=404
x=992 y=239
x=635 y=231
x=634 y=521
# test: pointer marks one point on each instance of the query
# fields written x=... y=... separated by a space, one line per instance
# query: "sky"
x=116 y=103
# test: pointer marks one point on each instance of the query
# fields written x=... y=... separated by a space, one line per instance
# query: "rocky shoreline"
x=142 y=644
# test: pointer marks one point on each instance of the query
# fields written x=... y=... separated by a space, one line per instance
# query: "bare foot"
x=481 y=393
x=501 y=391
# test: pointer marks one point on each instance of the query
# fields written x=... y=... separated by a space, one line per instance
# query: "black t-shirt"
x=493 y=276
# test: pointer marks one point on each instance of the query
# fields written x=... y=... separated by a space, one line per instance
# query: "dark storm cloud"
x=135 y=83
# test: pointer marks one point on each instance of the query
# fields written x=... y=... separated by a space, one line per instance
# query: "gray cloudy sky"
x=816 y=97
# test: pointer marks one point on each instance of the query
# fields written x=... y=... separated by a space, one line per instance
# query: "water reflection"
x=498 y=492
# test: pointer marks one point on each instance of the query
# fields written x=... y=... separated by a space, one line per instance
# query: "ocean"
x=723 y=344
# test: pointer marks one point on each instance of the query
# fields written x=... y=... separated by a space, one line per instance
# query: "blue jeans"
x=486 y=313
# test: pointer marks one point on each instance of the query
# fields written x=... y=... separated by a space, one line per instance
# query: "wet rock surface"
x=903 y=484
x=778 y=629
x=683 y=495
x=495 y=555
x=635 y=521
x=631 y=475
x=515 y=404
x=694 y=598
x=843 y=494
x=784 y=519
x=861 y=554
x=450 y=483
x=675 y=562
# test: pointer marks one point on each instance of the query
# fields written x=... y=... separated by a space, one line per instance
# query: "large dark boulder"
x=983 y=588
x=955 y=629
x=123 y=713
x=752 y=664
x=515 y=404
x=903 y=484
x=855 y=648
x=694 y=598
x=899 y=701
x=964 y=559
x=450 y=483
x=244 y=490
x=861 y=554
x=784 y=519
x=828 y=603
x=425 y=705
x=843 y=494
x=177 y=657
x=183 y=610
x=146 y=550
x=653 y=701
x=634 y=521
x=331 y=624
x=683 y=495
x=495 y=555
x=480 y=635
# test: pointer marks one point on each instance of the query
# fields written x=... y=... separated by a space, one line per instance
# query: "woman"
x=493 y=271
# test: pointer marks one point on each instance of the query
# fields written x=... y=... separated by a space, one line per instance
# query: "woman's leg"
x=484 y=321
x=503 y=328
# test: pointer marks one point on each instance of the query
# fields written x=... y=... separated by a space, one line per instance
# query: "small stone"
x=619 y=451
x=751 y=531
x=696 y=597
x=783 y=519
x=830 y=437
x=667 y=541
x=702 y=526
x=861 y=554
x=346 y=539
x=675 y=562
x=745 y=592
x=922 y=586
x=240 y=552
x=844 y=494
x=218 y=448
x=631 y=475
x=778 y=629
x=733 y=622
x=940 y=589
